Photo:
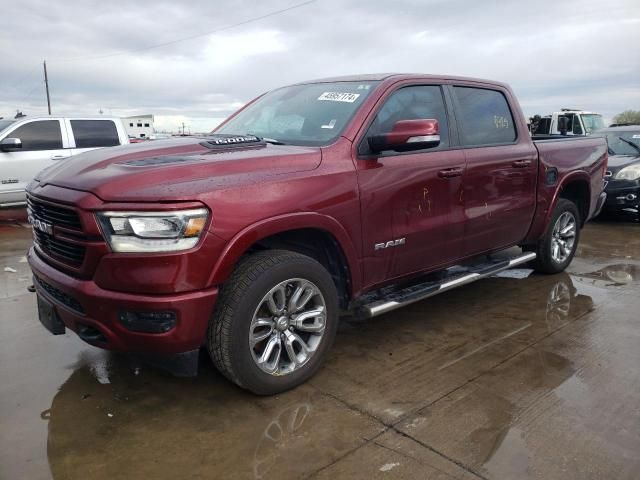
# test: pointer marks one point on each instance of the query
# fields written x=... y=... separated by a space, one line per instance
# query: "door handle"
x=521 y=163
x=450 y=173
x=58 y=157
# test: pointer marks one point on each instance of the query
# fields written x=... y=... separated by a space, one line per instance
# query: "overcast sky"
x=570 y=53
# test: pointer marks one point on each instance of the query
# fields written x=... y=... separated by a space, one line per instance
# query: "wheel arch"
x=312 y=234
x=573 y=186
x=576 y=188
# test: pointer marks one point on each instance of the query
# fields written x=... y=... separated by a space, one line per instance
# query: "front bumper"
x=623 y=200
x=85 y=307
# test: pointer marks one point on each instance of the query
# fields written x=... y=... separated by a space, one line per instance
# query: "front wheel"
x=275 y=321
x=559 y=243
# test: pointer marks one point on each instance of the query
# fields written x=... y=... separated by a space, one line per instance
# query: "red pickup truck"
x=349 y=194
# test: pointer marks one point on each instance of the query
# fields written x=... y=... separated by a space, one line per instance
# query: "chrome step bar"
x=416 y=293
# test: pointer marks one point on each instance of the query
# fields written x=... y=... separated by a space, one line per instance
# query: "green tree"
x=628 y=116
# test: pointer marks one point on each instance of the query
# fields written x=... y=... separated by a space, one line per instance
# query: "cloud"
x=555 y=54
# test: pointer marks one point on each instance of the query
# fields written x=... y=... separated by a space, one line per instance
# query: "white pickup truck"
x=569 y=121
x=29 y=145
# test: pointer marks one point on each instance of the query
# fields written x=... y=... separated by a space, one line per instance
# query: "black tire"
x=240 y=296
x=544 y=262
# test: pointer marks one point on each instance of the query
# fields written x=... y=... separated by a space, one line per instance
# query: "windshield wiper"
x=633 y=144
x=272 y=141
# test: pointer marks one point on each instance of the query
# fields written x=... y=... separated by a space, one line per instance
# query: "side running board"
x=388 y=299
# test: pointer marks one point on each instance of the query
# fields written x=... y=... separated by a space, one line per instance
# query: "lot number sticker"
x=339 y=97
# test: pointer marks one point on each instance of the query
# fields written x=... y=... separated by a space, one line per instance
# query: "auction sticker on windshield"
x=339 y=97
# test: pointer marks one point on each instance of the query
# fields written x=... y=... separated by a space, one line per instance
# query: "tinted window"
x=577 y=128
x=484 y=116
x=412 y=103
x=569 y=122
x=95 y=133
x=43 y=135
x=543 y=126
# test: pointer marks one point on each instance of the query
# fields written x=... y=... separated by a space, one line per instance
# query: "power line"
x=211 y=32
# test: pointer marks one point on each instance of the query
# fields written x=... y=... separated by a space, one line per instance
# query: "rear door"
x=500 y=178
x=405 y=197
x=89 y=134
x=44 y=142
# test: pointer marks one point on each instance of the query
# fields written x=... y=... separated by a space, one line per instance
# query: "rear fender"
x=547 y=200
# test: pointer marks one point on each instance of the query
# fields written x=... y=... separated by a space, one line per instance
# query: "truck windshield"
x=592 y=122
x=312 y=114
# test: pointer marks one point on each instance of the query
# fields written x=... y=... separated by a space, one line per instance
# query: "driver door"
x=411 y=199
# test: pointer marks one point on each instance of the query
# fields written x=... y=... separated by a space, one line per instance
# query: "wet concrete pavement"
x=503 y=379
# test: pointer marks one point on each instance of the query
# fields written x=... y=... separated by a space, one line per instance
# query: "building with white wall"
x=140 y=126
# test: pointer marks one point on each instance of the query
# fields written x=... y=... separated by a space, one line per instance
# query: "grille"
x=53 y=214
x=608 y=174
x=60 y=249
x=57 y=216
x=62 y=297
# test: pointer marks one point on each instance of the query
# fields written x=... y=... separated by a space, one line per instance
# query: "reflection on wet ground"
x=504 y=379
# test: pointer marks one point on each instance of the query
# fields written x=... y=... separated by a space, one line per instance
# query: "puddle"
x=511 y=459
x=618 y=274
x=109 y=410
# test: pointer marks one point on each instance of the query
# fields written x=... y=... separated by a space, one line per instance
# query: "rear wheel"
x=559 y=243
x=275 y=321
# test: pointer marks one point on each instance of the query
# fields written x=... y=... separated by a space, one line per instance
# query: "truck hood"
x=176 y=169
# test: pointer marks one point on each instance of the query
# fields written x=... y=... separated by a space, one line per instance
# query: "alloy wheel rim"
x=287 y=326
x=563 y=237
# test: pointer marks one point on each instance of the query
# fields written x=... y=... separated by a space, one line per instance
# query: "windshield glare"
x=620 y=147
x=592 y=122
x=313 y=114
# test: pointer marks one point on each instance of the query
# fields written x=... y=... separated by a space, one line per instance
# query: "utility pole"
x=183 y=129
x=46 y=84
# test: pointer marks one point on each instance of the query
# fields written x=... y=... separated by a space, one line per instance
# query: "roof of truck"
x=372 y=77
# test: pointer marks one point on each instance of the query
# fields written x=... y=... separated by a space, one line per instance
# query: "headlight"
x=153 y=231
x=632 y=172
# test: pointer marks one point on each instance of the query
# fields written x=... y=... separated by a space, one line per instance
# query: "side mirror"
x=407 y=135
x=10 y=144
x=563 y=125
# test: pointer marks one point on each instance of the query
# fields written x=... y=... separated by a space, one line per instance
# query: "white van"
x=29 y=145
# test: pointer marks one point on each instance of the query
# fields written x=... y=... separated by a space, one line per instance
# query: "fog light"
x=148 y=322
